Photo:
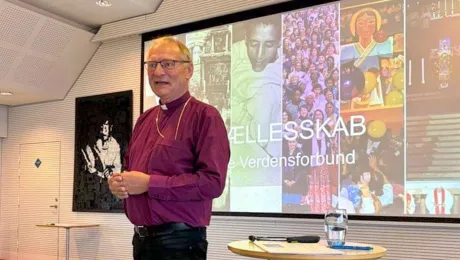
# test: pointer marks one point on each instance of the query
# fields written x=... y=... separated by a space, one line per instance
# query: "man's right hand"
x=117 y=187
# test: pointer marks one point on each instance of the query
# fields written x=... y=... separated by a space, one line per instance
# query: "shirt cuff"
x=157 y=184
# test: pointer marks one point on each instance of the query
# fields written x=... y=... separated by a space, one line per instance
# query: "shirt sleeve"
x=134 y=134
x=208 y=182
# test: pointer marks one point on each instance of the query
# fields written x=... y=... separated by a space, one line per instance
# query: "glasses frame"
x=163 y=65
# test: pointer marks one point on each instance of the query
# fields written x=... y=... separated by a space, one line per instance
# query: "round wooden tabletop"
x=249 y=249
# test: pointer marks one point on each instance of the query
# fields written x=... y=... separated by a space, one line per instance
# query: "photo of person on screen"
x=256 y=80
x=256 y=113
x=262 y=42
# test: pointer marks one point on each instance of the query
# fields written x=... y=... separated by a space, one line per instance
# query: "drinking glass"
x=336 y=226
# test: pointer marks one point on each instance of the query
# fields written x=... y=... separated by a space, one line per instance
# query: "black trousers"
x=188 y=244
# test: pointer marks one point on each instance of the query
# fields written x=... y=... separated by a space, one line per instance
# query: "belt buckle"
x=141 y=231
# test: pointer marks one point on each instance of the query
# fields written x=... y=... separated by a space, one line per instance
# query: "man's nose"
x=260 y=53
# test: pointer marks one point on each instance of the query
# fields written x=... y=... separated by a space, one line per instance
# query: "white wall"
x=3 y=121
x=115 y=67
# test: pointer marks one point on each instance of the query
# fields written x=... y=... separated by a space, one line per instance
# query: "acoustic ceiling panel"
x=53 y=38
x=33 y=71
x=40 y=57
x=11 y=16
x=7 y=57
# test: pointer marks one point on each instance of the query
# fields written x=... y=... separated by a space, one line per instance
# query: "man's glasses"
x=165 y=64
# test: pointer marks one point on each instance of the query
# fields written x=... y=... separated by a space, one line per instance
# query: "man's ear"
x=190 y=70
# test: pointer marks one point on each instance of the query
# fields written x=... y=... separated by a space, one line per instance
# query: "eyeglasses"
x=165 y=64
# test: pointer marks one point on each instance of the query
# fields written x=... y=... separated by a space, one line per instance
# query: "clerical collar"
x=175 y=103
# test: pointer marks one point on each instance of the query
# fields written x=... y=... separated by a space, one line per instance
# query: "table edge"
x=266 y=255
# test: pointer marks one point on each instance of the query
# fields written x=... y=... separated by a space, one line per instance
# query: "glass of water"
x=336 y=225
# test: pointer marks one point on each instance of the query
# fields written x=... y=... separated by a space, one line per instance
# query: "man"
x=176 y=162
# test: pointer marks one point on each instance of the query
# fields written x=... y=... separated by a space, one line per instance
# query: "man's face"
x=169 y=83
x=262 y=45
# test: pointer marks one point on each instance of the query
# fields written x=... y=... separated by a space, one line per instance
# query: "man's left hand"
x=135 y=182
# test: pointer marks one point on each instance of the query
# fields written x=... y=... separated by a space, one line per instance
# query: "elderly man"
x=176 y=162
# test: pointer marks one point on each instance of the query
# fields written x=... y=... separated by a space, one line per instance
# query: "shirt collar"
x=175 y=103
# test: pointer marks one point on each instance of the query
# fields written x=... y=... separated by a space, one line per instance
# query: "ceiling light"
x=103 y=3
x=6 y=93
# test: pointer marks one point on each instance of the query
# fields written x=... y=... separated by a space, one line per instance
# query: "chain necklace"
x=178 y=122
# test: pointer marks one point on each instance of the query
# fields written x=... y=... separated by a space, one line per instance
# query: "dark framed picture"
x=103 y=125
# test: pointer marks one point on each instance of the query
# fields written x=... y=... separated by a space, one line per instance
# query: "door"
x=39 y=169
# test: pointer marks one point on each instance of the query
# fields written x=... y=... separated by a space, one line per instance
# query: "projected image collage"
x=344 y=105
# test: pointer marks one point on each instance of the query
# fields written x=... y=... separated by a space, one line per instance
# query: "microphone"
x=303 y=239
x=254 y=238
x=298 y=239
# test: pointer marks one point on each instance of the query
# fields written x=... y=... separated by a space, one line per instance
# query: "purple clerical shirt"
x=186 y=172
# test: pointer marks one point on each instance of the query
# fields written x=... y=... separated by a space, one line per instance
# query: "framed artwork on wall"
x=103 y=125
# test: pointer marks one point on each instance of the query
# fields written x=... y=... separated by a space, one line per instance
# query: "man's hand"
x=135 y=182
x=117 y=187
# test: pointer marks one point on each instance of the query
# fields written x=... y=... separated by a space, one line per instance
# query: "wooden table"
x=67 y=232
x=249 y=249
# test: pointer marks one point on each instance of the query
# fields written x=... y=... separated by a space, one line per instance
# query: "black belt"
x=161 y=230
